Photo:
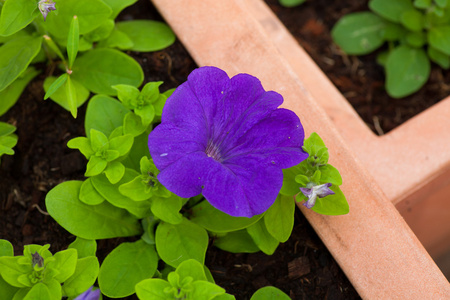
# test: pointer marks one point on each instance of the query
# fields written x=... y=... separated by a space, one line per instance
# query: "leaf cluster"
x=7 y=139
x=40 y=275
x=316 y=170
x=79 y=39
x=416 y=32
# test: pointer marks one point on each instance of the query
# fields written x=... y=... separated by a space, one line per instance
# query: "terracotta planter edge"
x=374 y=246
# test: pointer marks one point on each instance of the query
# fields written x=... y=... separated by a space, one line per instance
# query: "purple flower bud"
x=89 y=295
x=315 y=191
x=45 y=6
x=37 y=260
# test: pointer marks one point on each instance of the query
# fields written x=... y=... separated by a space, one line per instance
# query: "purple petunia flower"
x=227 y=139
x=45 y=6
x=89 y=295
x=314 y=192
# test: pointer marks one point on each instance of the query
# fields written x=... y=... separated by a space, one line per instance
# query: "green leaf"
x=118 y=5
x=412 y=19
x=111 y=193
x=205 y=290
x=407 y=70
x=269 y=293
x=390 y=10
x=329 y=174
x=122 y=144
x=236 y=242
x=279 y=218
x=52 y=45
x=117 y=39
x=332 y=205
x=262 y=238
x=88 y=221
x=73 y=38
x=147 y=35
x=95 y=166
x=212 y=219
x=132 y=124
x=291 y=3
x=416 y=39
x=96 y=72
x=82 y=144
x=424 y=4
x=290 y=186
x=393 y=32
x=104 y=114
x=359 y=33
x=441 y=3
x=71 y=95
x=90 y=14
x=152 y=289
x=99 y=141
x=11 y=270
x=125 y=266
x=191 y=268
x=65 y=262
x=442 y=59
x=114 y=172
x=439 y=38
x=39 y=292
x=84 y=247
x=101 y=32
x=12 y=92
x=85 y=275
x=15 y=57
x=88 y=194
x=55 y=85
x=127 y=94
x=60 y=95
x=177 y=243
x=8 y=291
x=168 y=209
x=16 y=14
x=6 y=248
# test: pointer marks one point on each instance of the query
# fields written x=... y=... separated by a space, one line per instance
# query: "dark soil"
x=301 y=267
x=359 y=78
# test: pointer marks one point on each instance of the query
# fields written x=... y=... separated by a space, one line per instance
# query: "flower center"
x=213 y=151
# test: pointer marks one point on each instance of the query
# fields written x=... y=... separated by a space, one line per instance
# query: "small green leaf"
x=6 y=248
x=205 y=290
x=132 y=124
x=279 y=218
x=12 y=92
x=101 y=32
x=83 y=144
x=236 y=242
x=439 y=38
x=332 y=205
x=118 y=5
x=85 y=275
x=391 y=10
x=95 y=166
x=114 y=172
x=424 y=4
x=56 y=85
x=122 y=144
x=412 y=19
x=71 y=95
x=269 y=293
x=65 y=262
x=442 y=59
x=104 y=114
x=16 y=15
x=96 y=72
x=73 y=39
x=84 y=247
x=329 y=174
x=88 y=221
x=407 y=70
x=60 y=95
x=117 y=39
x=52 y=45
x=8 y=291
x=416 y=39
x=291 y=3
x=125 y=266
x=147 y=35
x=359 y=33
x=88 y=194
x=15 y=57
x=191 y=268
x=177 y=243
x=441 y=3
x=262 y=238
x=152 y=289
x=168 y=209
x=99 y=141
x=212 y=219
x=39 y=291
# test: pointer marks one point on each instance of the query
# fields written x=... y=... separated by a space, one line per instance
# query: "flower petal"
x=241 y=188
